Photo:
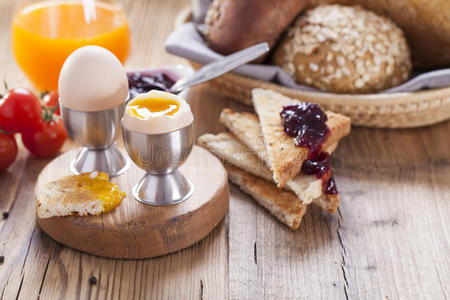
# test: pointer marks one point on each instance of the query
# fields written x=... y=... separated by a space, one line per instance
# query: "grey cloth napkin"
x=186 y=41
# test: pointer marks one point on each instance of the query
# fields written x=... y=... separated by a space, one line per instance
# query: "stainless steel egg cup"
x=160 y=155
x=97 y=132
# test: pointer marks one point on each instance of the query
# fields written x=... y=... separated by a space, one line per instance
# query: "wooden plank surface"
x=389 y=240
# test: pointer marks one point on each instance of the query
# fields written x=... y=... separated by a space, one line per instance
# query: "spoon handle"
x=221 y=66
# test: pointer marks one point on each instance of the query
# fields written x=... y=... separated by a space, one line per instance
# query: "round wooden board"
x=135 y=230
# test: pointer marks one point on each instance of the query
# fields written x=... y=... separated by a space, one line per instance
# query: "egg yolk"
x=153 y=107
x=97 y=186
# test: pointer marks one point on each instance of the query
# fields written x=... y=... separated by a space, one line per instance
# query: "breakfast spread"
x=266 y=162
x=281 y=155
x=344 y=49
x=84 y=194
x=157 y=112
x=141 y=83
x=92 y=79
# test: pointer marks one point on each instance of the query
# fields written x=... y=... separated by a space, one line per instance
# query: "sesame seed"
x=340 y=60
x=329 y=56
x=313 y=67
x=346 y=71
x=330 y=69
x=359 y=83
x=320 y=38
x=335 y=47
x=366 y=77
x=389 y=70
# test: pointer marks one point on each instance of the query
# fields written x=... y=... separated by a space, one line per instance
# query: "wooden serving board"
x=135 y=230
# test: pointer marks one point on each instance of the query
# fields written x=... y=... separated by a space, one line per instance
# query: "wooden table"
x=390 y=238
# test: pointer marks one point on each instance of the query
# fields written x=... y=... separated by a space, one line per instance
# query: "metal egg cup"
x=97 y=132
x=160 y=155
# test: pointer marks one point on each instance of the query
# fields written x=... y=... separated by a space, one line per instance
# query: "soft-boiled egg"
x=157 y=112
x=92 y=79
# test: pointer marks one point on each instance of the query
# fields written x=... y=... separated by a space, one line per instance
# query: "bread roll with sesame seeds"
x=344 y=49
x=426 y=24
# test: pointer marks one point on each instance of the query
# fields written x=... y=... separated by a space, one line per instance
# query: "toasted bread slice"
x=284 y=205
x=230 y=150
x=84 y=194
x=284 y=157
x=328 y=202
x=245 y=126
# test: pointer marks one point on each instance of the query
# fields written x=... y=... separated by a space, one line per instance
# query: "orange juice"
x=46 y=33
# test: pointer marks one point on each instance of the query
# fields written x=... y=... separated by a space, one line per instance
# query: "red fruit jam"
x=142 y=83
x=320 y=166
x=306 y=123
x=317 y=166
x=330 y=187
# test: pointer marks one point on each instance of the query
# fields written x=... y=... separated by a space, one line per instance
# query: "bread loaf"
x=233 y=25
x=426 y=24
x=344 y=49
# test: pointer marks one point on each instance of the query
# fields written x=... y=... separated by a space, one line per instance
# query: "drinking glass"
x=45 y=33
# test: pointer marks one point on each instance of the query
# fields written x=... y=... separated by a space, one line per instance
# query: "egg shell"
x=92 y=79
x=158 y=124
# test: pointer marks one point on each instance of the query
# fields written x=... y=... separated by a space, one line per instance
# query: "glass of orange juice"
x=45 y=33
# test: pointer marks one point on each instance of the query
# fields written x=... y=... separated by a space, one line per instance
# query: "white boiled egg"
x=92 y=79
x=157 y=112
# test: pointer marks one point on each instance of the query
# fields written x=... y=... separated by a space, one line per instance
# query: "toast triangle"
x=246 y=128
x=231 y=151
x=285 y=159
x=284 y=205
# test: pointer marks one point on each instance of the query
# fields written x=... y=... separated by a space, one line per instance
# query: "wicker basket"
x=394 y=110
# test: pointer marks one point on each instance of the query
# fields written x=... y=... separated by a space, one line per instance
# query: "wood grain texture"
x=136 y=230
x=389 y=240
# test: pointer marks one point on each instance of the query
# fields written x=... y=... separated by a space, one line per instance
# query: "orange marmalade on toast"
x=95 y=185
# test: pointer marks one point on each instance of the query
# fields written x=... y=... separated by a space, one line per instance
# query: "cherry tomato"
x=20 y=111
x=48 y=139
x=8 y=150
x=52 y=100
